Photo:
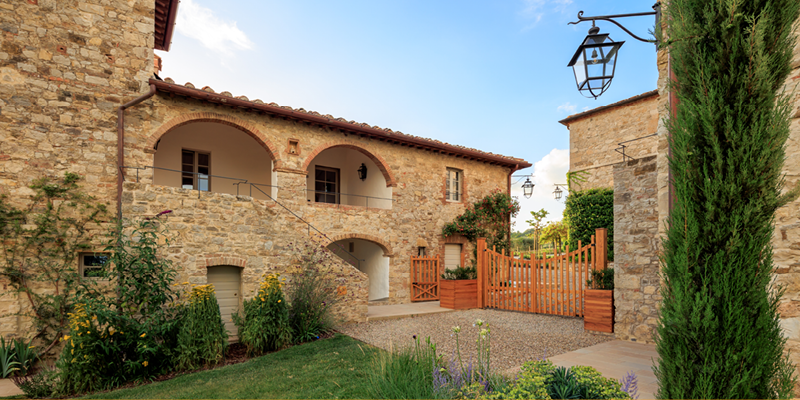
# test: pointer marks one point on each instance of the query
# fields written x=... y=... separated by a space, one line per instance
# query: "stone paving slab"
x=8 y=388
x=616 y=358
x=376 y=313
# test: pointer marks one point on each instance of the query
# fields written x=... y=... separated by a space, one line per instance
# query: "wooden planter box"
x=598 y=314
x=458 y=294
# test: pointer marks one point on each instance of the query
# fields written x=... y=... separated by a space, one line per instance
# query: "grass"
x=325 y=369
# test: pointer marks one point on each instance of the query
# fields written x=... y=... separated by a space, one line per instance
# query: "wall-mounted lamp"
x=527 y=188
x=558 y=192
x=362 y=172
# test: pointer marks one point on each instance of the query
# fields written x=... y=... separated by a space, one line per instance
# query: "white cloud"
x=536 y=9
x=198 y=22
x=567 y=107
x=550 y=170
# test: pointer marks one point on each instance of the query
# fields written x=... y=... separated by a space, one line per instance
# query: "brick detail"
x=387 y=251
x=378 y=160
x=231 y=121
x=213 y=260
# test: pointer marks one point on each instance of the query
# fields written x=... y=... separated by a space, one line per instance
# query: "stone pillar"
x=636 y=244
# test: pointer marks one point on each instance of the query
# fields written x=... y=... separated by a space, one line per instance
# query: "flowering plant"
x=489 y=217
x=202 y=337
x=264 y=323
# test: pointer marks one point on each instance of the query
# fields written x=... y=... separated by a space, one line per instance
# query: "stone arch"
x=378 y=160
x=387 y=250
x=231 y=121
x=215 y=260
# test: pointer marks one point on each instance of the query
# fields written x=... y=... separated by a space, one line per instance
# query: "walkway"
x=376 y=313
x=616 y=358
x=8 y=388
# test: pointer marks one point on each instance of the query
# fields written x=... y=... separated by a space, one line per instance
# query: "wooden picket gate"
x=424 y=278
x=548 y=286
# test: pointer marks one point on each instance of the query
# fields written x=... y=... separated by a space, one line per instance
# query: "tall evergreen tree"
x=719 y=334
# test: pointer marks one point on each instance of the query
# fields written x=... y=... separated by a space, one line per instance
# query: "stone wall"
x=636 y=243
x=65 y=66
x=256 y=235
x=786 y=240
x=594 y=135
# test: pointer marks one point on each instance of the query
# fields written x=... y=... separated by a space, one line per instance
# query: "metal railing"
x=242 y=181
x=309 y=226
x=623 y=146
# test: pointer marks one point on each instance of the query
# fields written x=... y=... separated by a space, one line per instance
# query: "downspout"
x=515 y=169
x=121 y=142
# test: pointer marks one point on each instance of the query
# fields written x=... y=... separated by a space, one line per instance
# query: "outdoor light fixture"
x=362 y=172
x=594 y=63
x=595 y=60
x=527 y=188
x=557 y=193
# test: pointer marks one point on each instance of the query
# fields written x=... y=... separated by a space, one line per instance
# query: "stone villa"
x=79 y=92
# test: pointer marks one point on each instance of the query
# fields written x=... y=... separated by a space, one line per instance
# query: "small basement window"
x=92 y=264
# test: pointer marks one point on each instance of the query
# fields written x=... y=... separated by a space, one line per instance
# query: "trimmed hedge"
x=588 y=210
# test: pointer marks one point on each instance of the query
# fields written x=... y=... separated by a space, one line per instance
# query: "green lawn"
x=331 y=368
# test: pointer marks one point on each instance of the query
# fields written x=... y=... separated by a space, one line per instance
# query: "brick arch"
x=223 y=119
x=214 y=260
x=387 y=250
x=378 y=160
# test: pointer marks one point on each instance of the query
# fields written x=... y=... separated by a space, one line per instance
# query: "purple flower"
x=163 y=212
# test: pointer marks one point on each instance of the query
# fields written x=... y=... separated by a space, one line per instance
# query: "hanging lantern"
x=557 y=193
x=527 y=188
x=362 y=172
x=594 y=63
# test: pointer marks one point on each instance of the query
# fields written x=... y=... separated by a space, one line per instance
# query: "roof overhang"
x=575 y=117
x=165 y=13
x=358 y=129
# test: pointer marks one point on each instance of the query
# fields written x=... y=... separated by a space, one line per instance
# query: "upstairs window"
x=196 y=167
x=453 y=185
x=326 y=185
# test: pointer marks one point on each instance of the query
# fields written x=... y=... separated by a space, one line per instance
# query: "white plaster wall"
x=373 y=263
x=348 y=161
x=234 y=154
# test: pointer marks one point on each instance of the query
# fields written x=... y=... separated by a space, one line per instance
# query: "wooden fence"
x=424 y=278
x=549 y=286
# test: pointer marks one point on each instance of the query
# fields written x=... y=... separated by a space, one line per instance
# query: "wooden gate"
x=541 y=285
x=424 y=278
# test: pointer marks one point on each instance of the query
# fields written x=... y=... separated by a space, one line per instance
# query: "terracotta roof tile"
x=397 y=135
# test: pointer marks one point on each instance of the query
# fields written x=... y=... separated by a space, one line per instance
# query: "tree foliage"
x=719 y=334
x=488 y=217
x=587 y=210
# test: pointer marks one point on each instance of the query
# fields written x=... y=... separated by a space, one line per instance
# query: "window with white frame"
x=453 y=185
x=91 y=265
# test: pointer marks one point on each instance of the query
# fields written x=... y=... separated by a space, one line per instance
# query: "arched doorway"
x=213 y=157
x=369 y=258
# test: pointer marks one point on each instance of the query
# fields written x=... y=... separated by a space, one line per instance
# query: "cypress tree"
x=719 y=334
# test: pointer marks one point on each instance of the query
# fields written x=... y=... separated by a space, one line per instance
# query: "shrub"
x=312 y=294
x=488 y=217
x=264 y=323
x=460 y=273
x=601 y=279
x=129 y=334
x=542 y=380
x=586 y=211
x=40 y=385
x=202 y=337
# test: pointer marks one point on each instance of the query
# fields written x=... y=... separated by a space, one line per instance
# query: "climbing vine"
x=488 y=217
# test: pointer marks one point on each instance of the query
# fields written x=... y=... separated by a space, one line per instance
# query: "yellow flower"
x=279 y=301
x=66 y=337
x=143 y=335
x=145 y=363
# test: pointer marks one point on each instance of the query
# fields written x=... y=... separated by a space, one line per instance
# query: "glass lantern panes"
x=594 y=64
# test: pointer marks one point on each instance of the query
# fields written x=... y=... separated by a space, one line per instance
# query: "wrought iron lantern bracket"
x=610 y=18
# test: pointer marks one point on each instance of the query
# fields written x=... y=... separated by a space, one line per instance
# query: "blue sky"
x=491 y=75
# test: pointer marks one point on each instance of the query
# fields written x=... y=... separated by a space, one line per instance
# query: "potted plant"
x=599 y=301
x=458 y=288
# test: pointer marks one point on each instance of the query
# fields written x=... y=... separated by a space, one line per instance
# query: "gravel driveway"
x=515 y=337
